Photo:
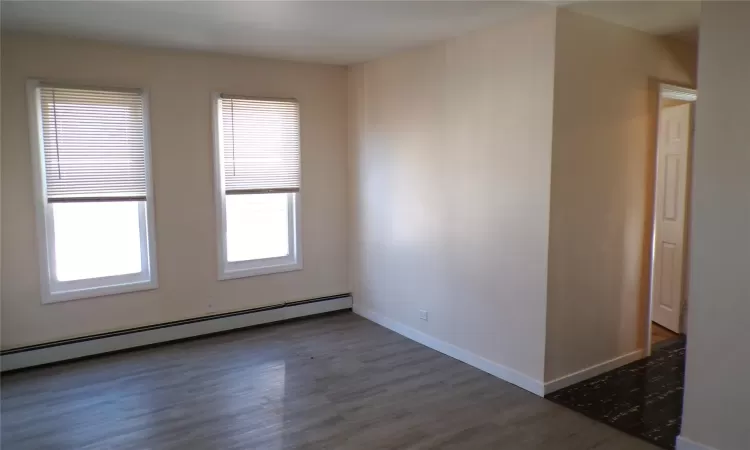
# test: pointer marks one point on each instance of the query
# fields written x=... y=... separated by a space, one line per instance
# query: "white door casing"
x=672 y=151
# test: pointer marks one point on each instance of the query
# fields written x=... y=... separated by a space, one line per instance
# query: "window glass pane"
x=96 y=239
x=257 y=226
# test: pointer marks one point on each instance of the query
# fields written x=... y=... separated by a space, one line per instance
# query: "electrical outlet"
x=423 y=314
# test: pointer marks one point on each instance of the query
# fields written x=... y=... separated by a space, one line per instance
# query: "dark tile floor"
x=643 y=399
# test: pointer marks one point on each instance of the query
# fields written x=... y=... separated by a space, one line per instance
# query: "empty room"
x=515 y=225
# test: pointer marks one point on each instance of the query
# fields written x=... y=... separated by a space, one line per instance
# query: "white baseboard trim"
x=590 y=372
x=504 y=373
x=684 y=443
x=110 y=342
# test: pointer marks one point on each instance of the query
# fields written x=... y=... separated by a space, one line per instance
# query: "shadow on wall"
x=603 y=171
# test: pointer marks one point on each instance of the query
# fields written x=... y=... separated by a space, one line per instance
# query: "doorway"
x=668 y=289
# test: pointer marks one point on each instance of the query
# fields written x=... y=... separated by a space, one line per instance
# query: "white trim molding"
x=675 y=92
x=684 y=443
x=504 y=373
x=75 y=348
x=592 y=371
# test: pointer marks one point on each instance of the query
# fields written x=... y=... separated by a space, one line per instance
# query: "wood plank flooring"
x=331 y=382
x=659 y=333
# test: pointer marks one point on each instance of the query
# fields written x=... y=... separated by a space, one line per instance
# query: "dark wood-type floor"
x=331 y=382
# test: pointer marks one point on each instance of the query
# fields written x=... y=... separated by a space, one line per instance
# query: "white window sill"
x=230 y=274
x=101 y=291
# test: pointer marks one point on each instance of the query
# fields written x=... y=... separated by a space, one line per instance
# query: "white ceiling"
x=337 y=32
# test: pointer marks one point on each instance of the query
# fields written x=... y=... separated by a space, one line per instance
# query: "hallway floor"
x=660 y=334
x=643 y=399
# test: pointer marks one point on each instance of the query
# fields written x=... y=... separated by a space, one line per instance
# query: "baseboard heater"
x=67 y=349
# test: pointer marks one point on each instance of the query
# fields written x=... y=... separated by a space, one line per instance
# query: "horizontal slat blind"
x=94 y=144
x=260 y=145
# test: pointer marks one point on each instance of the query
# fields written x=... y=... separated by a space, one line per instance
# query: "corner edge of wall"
x=498 y=370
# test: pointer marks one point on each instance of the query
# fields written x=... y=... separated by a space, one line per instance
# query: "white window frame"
x=228 y=270
x=53 y=290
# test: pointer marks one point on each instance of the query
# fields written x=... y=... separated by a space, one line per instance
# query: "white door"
x=671 y=189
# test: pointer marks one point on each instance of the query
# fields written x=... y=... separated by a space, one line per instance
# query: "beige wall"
x=180 y=85
x=606 y=94
x=717 y=396
x=450 y=189
x=1 y=133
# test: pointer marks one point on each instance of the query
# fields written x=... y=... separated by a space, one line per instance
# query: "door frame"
x=673 y=91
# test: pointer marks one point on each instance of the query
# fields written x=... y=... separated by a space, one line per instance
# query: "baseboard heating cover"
x=80 y=347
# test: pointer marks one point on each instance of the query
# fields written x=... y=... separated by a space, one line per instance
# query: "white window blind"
x=260 y=145
x=93 y=143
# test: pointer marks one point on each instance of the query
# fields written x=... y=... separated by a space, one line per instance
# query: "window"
x=92 y=175
x=257 y=165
